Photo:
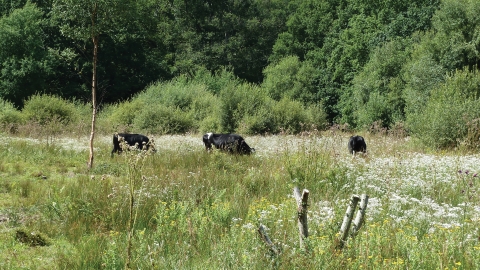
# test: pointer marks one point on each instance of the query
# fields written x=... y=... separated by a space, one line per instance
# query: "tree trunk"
x=94 y=87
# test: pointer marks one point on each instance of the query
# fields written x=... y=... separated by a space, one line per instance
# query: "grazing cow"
x=357 y=144
x=136 y=140
x=231 y=143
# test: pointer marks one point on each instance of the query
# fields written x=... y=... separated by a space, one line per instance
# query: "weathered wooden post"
x=360 y=217
x=266 y=239
x=347 y=220
x=302 y=203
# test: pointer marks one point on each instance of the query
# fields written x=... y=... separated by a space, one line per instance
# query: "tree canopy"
x=362 y=62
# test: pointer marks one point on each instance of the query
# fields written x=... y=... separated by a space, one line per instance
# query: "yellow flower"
x=458 y=263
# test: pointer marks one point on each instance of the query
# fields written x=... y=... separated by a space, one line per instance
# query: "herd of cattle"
x=230 y=143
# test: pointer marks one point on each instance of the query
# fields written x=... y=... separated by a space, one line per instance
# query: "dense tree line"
x=152 y=41
x=383 y=62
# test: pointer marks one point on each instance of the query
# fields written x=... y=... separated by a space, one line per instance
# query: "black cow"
x=357 y=144
x=136 y=140
x=231 y=143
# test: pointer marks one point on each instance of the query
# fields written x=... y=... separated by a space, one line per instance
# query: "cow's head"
x=207 y=140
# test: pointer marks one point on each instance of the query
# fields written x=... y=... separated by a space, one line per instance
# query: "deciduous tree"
x=84 y=20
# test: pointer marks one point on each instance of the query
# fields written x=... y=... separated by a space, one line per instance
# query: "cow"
x=231 y=143
x=134 y=140
x=357 y=144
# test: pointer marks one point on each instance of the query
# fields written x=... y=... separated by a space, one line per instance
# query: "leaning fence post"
x=360 y=217
x=302 y=203
x=266 y=239
x=347 y=220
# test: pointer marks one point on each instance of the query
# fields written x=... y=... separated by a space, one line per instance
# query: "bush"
x=121 y=115
x=377 y=89
x=289 y=116
x=317 y=117
x=284 y=116
x=448 y=117
x=163 y=120
x=215 y=83
x=10 y=117
x=376 y=109
x=44 y=109
x=205 y=110
x=261 y=122
x=290 y=78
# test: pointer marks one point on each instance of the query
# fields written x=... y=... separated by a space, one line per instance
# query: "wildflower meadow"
x=185 y=208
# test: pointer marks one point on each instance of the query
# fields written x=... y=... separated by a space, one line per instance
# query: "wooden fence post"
x=360 y=217
x=347 y=221
x=302 y=203
x=266 y=239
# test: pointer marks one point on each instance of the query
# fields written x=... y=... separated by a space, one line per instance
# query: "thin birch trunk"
x=94 y=86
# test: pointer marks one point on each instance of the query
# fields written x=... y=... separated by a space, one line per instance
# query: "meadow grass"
x=199 y=210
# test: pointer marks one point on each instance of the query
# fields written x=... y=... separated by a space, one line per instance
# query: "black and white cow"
x=357 y=144
x=134 y=140
x=231 y=143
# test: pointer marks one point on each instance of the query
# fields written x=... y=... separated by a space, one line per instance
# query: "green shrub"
x=205 y=110
x=10 y=117
x=285 y=115
x=124 y=113
x=290 y=116
x=163 y=120
x=317 y=117
x=290 y=78
x=215 y=83
x=261 y=122
x=230 y=99
x=47 y=108
x=377 y=89
x=451 y=107
x=375 y=109
x=179 y=92
x=241 y=103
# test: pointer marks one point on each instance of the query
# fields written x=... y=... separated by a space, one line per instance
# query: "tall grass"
x=199 y=210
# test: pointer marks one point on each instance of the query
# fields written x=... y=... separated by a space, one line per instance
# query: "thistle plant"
x=135 y=161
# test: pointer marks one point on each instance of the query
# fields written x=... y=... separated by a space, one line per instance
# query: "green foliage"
x=24 y=61
x=10 y=117
x=289 y=116
x=422 y=74
x=177 y=106
x=229 y=114
x=163 y=120
x=377 y=88
x=261 y=122
x=290 y=78
x=458 y=28
x=186 y=105
x=317 y=117
x=245 y=105
x=449 y=112
x=46 y=108
x=215 y=82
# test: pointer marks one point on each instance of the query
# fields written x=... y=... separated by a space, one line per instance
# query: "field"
x=183 y=208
